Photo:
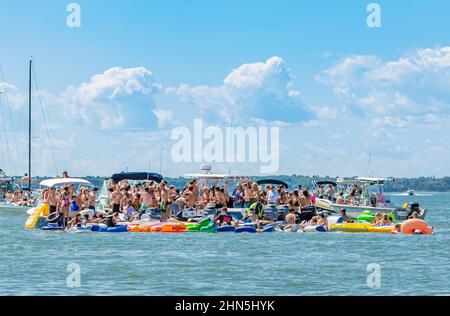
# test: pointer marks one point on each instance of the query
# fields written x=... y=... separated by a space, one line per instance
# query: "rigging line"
x=8 y=106
x=5 y=133
x=45 y=119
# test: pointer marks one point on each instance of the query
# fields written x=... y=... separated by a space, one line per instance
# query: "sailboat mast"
x=29 y=124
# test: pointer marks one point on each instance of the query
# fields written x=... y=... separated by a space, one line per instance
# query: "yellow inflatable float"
x=360 y=228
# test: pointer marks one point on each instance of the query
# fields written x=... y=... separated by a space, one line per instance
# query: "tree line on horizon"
x=432 y=184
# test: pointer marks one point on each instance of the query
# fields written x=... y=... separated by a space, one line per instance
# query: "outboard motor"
x=307 y=213
x=283 y=210
x=270 y=212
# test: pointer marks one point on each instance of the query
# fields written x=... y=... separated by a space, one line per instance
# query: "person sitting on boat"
x=346 y=218
x=224 y=218
x=340 y=198
x=414 y=215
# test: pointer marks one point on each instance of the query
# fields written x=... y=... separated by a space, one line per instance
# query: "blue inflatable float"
x=245 y=229
x=226 y=228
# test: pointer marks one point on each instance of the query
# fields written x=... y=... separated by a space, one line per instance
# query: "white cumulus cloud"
x=257 y=92
x=119 y=97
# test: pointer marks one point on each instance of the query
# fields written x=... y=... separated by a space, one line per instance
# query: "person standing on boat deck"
x=381 y=200
x=272 y=195
x=146 y=199
x=305 y=199
x=116 y=198
x=26 y=182
x=65 y=175
x=320 y=190
x=248 y=194
x=64 y=204
x=52 y=200
x=330 y=192
x=93 y=199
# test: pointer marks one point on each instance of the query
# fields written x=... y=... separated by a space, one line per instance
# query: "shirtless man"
x=93 y=199
x=52 y=200
x=340 y=198
x=116 y=198
x=330 y=192
x=291 y=218
x=248 y=195
x=146 y=199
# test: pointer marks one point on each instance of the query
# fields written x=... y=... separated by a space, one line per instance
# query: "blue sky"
x=360 y=90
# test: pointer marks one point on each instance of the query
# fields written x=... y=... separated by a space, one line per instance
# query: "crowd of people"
x=127 y=201
x=13 y=194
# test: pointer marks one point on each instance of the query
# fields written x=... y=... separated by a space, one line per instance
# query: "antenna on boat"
x=29 y=123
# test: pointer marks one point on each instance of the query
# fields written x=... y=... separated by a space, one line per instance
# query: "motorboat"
x=38 y=215
x=369 y=197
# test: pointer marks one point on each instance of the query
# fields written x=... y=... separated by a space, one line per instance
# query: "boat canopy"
x=273 y=181
x=362 y=181
x=326 y=183
x=139 y=176
x=62 y=181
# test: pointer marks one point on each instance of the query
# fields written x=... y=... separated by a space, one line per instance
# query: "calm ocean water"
x=35 y=262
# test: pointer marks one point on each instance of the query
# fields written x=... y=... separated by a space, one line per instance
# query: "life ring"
x=414 y=226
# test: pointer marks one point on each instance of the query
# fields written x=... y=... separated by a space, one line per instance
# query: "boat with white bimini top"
x=360 y=194
x=38 y=215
